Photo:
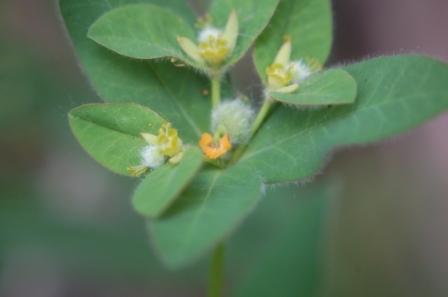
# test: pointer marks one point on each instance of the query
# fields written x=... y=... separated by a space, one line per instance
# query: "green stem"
x=216 y=90
x=216 y=274
x=262 y=113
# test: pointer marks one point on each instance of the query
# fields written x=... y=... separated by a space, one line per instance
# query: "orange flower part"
x=213 y=150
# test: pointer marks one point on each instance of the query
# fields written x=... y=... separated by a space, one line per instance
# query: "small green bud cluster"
x=235 y=118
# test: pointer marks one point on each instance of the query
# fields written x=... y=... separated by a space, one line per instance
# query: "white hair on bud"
x=301 y=71
x=152 y=157
x=235 y=117
x=208 y=32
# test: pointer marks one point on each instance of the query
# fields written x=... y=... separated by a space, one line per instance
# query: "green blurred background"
x=67 y=227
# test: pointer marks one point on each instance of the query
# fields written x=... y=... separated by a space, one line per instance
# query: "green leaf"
x=307 y=22
x=110 y=133
x=394 y=95
x=213 y=205
x=253 y=18
x=148 y=32
x=142 y=31
x=288 y=263
x=162 y=186
x=175 y=92
x=332 y=87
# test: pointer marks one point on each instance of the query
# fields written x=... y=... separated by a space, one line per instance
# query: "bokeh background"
x=66 y=225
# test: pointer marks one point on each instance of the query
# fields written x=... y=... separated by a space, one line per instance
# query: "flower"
x=213 y=149
x=214 y=45
x=279 y=75
x=283 y=75
x=233 y=117
x=168 y=141
x=166 y=145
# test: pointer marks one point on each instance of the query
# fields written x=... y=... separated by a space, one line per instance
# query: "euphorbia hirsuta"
x=203 y=152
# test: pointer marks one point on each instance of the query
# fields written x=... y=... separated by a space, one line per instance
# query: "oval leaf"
x=110 y=133
x=119 y=79
x=213 y=205
x=161 y=187
x=394 y=95
x=307 y=22
x=142 y=31
x=332 y=87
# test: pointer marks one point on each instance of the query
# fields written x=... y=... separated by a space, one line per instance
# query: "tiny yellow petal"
x=149 y=138
x=284 y=53
x=176 y=158
x=190 y=48
x=231 y=31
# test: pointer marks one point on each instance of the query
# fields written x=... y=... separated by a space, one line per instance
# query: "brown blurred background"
x=66 y=226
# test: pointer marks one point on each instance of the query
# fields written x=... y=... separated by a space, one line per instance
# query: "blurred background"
x=67 y=227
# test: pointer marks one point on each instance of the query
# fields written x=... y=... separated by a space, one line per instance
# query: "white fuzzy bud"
x=208 y=32
x=233 y=117
x=301 y=71
x=152 y=157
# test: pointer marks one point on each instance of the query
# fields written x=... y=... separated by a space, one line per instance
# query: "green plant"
x=161 y=86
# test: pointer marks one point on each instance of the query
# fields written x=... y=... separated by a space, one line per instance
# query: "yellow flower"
x=214 y=49
x=214 y=45
x=166 y=145
x=279 y=75
x=284 y=75
x=167 y=141
x=214 y=149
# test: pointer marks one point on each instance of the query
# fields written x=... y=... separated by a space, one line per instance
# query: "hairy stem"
x=216 y=273
x=216 y=90
x=262 y=113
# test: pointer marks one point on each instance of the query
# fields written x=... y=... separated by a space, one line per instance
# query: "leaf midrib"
x=385 y=102
x=104 y=127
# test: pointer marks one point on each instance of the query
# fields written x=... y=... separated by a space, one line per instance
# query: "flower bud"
x=166 y=145
x=285 y=76
x=233 y=117
x=214 y=45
